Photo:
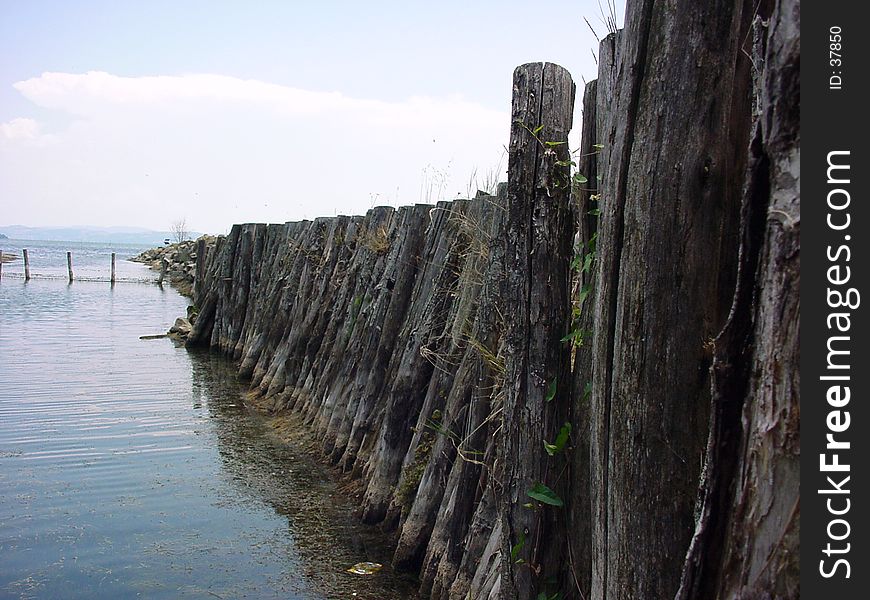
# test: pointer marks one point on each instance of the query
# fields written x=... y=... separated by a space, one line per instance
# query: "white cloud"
x=87 y=92
x=220 y=150
x=90 y=93
x=20 y=129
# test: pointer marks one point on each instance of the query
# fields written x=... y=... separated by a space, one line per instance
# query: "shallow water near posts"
x=133 y=468
x=90 y=261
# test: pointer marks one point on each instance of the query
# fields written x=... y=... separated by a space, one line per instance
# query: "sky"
x=142 y=113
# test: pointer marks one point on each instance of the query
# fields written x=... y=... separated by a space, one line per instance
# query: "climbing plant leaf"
x=551 y=390
x=543 y=494
x=517 y=548
x=561 y=440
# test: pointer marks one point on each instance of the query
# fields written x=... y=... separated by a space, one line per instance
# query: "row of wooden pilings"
x=69 y=267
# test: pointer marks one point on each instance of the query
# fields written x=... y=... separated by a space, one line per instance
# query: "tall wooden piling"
x=69 y=265
x=666 y=274
x=113 y=268
x=26 y=264
x=537 y=255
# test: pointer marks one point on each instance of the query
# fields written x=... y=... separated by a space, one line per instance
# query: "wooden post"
x=113 y=268
x=752 y=469
x=26 y=265
x=69 y=265
x=537 y=288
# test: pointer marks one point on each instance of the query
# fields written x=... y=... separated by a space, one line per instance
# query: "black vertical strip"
x=833 y=118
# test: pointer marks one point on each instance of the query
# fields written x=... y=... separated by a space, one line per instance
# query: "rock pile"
x=176 y=261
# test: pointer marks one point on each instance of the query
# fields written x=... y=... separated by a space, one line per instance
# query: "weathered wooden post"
x=675 y=152
x=537 y=294
x=163 y=265
x=112 y=279
x=69 y=265
x=752 y=475
x=26 y=264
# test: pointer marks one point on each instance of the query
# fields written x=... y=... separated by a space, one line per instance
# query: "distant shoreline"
x=88 y=235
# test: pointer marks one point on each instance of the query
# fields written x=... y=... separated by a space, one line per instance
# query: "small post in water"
x=26 y=265
x=163 y=264
x=69 y=265
x=113 y=268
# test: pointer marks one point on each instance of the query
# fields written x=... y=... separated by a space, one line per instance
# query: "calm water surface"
x=131 y=468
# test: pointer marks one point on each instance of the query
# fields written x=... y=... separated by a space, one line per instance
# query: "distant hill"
x=118 y=235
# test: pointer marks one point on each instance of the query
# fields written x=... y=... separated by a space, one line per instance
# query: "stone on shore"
x=180 y=329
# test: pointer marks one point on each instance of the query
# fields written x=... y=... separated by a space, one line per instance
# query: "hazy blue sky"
x=143 y=112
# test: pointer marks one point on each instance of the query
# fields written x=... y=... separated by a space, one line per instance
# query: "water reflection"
x=268 y=470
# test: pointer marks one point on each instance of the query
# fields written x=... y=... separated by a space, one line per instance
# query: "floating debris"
x=365 y=568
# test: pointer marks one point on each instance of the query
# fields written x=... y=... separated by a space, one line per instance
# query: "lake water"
x=90 y=261
x=132 y=468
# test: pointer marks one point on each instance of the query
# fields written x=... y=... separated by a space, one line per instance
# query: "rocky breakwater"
x=176 y=262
